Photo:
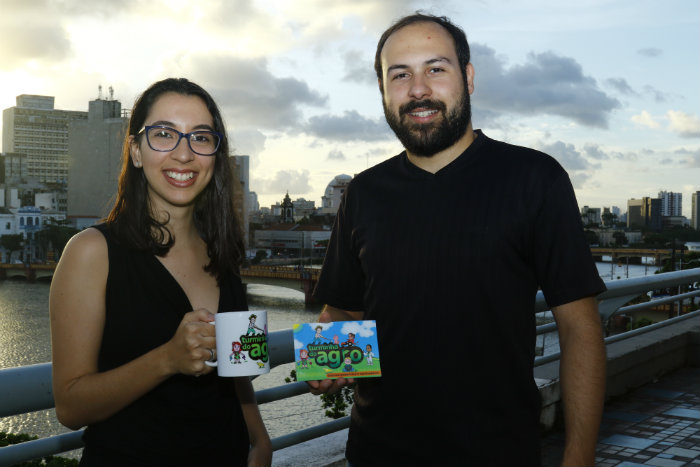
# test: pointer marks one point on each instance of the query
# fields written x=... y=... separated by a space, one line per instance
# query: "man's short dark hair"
x=458 y=36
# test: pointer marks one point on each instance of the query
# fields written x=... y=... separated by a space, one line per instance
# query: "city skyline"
x=611 y=89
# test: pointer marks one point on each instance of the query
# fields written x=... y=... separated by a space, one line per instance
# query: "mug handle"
x=207 y=362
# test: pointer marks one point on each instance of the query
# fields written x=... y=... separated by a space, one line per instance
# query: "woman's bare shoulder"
x=88 y=245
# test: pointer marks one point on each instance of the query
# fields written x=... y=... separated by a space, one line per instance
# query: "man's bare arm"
x=582 y=374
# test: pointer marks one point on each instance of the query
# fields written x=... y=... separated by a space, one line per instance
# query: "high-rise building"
x=652 y=212
x=671 y=203
x=634 y=213
x=34 y=128
x=645 y=212
x=695 y=212
x=241 y=191
x=13 y=168
x=95 y=162
x=253 y=204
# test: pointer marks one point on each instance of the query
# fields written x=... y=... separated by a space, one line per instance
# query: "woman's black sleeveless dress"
x=185 y=420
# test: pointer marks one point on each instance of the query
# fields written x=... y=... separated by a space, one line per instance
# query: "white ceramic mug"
x=241 y=343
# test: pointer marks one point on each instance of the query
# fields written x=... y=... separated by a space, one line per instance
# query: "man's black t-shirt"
x=449 y=264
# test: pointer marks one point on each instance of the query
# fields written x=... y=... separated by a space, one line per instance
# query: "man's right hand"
x=331 y=386
x=328 y=386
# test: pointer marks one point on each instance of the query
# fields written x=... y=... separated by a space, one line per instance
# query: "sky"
x=610 y=88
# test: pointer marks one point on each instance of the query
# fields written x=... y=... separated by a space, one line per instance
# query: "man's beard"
x=428 y=139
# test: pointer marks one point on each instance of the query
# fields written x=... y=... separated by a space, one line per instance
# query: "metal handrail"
x=624 y=335
x=28 y=388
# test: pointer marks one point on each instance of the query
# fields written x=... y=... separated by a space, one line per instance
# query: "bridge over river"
x=30 y=272
x=303 y=278
x=291 y=277
x=617 y=253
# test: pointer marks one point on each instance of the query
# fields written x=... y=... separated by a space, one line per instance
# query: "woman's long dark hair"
x=132 y=219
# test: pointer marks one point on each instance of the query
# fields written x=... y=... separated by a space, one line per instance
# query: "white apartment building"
x=671 y=203
x=34 y=128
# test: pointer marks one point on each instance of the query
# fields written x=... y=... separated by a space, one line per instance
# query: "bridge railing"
x=285 y=272
x=28 y=388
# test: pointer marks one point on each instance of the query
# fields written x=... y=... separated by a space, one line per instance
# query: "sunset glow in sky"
x=610 y=88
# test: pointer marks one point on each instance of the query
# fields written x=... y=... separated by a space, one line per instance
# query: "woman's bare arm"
x=77 y=309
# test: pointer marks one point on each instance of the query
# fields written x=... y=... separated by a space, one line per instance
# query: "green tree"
x=620 y=238
x=335 y=404
x=11 y=243
x=54 y=236
x=259 y=256
x=608 y=218
x=654 y=240
x=690 y=260
x=591 y=237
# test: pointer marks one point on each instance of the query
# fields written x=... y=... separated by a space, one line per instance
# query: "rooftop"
x=657 y=424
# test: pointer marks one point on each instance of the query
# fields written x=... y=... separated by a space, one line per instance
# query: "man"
x=465 y=229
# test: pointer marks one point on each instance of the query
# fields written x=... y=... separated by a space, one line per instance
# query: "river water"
x=25 y=340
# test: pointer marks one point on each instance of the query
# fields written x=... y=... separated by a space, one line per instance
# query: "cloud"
x=567 y=155
x=577 y=166
x=383 y=152
x=691 y=157
x=246 y=141
x=645 y=119
x=621 y=86
x=32 y=38
x=546 y=84
x=35 y=31
x=248 y=93
x=628 y=156
x=594 y=151
x=295 y=181
x=650 y=52
x=658 y=96
x=686 y=125
x=351 y=126
x=358 y=69
x=336 y=155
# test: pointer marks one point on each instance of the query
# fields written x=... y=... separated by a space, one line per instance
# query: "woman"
x=132 y=299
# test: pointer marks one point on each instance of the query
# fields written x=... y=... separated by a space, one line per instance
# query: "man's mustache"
x=425 y=103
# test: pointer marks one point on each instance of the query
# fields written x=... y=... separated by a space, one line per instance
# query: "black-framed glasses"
x=164 y=139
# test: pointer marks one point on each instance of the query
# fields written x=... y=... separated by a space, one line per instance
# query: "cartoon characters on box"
x=369 y=354
x=350 y=341
x=318 y=336
x=347 y=349
x=348 y=364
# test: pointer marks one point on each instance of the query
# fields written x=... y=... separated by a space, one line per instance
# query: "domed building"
x=330 y=201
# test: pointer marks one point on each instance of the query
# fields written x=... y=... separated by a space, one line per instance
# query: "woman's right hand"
x=189 y=347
